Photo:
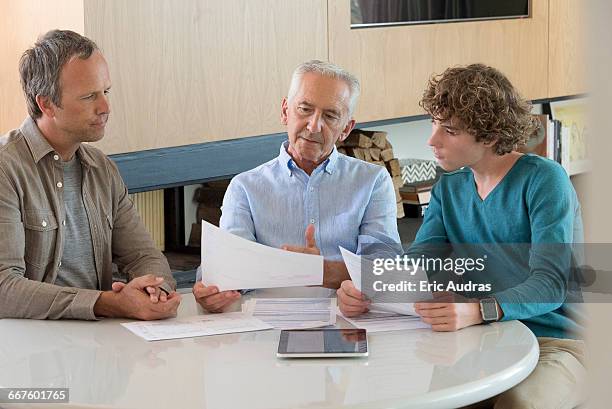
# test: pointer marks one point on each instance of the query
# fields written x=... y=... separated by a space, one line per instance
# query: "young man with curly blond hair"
x=493 y=195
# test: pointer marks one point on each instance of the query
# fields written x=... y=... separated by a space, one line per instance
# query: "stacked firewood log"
x=373 y=147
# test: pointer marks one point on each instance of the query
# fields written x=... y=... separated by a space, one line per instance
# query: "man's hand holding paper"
x=230 y=262
x=354 y=300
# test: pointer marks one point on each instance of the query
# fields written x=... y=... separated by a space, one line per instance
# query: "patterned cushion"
x=417 y=170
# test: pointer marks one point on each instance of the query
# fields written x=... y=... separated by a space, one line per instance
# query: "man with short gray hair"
x=65 y=214
x=310 y=193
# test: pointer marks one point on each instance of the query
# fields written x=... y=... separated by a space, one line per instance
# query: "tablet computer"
x=322 y=343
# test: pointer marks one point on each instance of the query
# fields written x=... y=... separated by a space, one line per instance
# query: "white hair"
x=330 y=70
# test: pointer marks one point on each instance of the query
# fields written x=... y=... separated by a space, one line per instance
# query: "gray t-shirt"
x=78 y=268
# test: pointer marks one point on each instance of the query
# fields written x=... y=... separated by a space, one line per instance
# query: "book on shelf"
x=554 y=141
x=562 y=145
x=557 y=138
x=565 y=149
x=550 y=139
x=418 y=186
x=572 y=134
x=539 y=143
x=416 y=198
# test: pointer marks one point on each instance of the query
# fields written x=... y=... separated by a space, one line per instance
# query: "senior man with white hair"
x=310 y=193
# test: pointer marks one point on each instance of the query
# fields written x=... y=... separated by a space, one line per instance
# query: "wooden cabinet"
x=566 y=72
x=207 y=70
x=183 y=72
x=21 y=23
x=395 y=63
x=200 y=70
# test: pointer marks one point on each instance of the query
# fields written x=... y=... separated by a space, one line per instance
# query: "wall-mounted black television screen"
x=372 y=13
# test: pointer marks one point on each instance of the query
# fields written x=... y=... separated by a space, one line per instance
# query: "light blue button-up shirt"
x=349 y=201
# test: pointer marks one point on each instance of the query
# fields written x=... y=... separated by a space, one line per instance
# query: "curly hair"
x=485 y=103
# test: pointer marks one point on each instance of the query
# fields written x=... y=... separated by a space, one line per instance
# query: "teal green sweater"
x=534 y=203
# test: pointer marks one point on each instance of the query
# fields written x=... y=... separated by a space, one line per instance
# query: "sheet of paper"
x=390 y=302
x=198 y=326
x=353 y=265
x=293 y=313
x=380 y=321
x=233 y=263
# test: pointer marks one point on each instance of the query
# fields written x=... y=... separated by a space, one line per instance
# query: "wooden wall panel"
x=566 y=49
x=394 y=63
x=200 y=70
x=22 y=22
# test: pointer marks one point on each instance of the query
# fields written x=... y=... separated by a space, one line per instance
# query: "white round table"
x=105 y=365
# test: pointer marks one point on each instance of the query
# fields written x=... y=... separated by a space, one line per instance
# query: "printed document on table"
x=391 y=302
x=233 y=263
x=380 y=321
x=198 y=326
x=293 y=313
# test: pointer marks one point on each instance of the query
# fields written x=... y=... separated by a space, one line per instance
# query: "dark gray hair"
x=326 y=69
x=40 y=66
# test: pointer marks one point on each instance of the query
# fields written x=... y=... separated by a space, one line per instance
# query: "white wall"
x=409 y=139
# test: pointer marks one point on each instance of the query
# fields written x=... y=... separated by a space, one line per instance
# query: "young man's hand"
x=449 y=312
x=350 y=300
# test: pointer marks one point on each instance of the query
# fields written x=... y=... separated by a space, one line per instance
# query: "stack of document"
x=380 y=321
x=293 y=313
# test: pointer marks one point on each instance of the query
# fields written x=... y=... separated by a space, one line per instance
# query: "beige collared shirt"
x=32 y=231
